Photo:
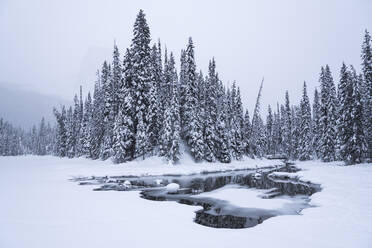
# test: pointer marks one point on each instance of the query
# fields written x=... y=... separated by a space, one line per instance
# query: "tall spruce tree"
x=358 y=142
x=97 y=124
x=124 y=133
x=327 y=116
x=277 y=134
x=247 y=132
x=316 y=130
x=141 y=80
x=108 y=111
x=115 y=83
x=366 y=56
x=295 y=129
x=305 y=146
x=257 y=129
x=287 y=128
x=223 y=152
x=345 y=118
x=86 y=128
x=61 y=146
x=174 y=152
x=42 y=138
x=211 y=92
x=193 y=127
x=270 y=131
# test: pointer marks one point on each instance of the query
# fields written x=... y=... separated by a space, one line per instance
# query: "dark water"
x=218 y=213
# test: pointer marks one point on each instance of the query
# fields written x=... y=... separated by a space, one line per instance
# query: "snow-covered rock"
x=158 y=181
x=127 y=184
x=172 y=188
x=110 y=181
x=257 y=175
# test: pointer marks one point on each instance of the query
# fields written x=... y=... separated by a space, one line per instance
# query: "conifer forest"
x=142 y=106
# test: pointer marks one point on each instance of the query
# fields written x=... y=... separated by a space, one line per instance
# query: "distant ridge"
x=25 y=108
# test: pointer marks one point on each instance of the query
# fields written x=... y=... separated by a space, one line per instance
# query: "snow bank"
x=149 y=166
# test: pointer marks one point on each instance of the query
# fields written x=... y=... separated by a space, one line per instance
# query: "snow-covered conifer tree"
x=316 y=128
x=327 y=116
x=287 y=128
x=305 y=146
x=366 y=56
x=86 y=128
x=247 y=132
x=194 y=135
x=141 y=80
x=269 y=131
x=257 y=132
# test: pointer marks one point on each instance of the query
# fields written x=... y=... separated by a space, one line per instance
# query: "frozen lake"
x=40 y=207
x=230 y=199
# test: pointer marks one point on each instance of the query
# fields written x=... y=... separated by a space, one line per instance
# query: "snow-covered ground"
x=40 y=207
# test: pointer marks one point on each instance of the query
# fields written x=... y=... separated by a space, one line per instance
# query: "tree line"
x=39 y=140
x=142 y=106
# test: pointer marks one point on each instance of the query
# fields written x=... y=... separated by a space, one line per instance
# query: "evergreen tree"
x=115 y=83
x=156 y=98
x=327 y=116
x=287 y=128
x=167 y=133
x=223 y=153
x=124 y=133
x=236 y=124
x=316 y=130
x=247 y=132
x=277 y=132
x=183 y=92
x=86 y=128
x=305 y=146
x=367 y=91
x=171 y=127
x=345 y=118
x=257 y=141
x=42 y=139
x=71 y=138
x=108 y=111
x=269 y=131
x=97 y=123
x=210 y=119
x=194 y=135
x=61 y=142
x=295 y=129
x=152 y=119
x=141 y=138
x=174 y=154
x=141 y=80
x=358 y=143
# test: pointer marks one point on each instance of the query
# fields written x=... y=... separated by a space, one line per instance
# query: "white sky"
x=54 y=46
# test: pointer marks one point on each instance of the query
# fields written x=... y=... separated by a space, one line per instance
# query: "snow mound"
x=172 y=188
x=127 y=184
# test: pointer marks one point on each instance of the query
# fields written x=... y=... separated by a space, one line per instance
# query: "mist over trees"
x=39 y=140
x=143 y=106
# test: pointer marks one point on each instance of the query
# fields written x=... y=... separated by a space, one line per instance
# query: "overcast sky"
x=52 y=47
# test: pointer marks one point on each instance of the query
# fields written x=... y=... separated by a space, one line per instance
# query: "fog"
x=52 y=47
